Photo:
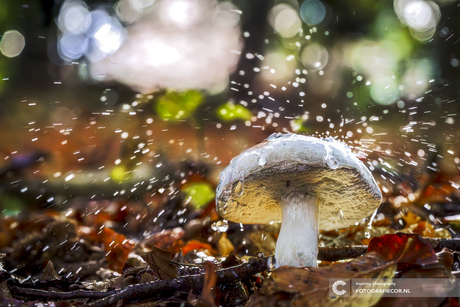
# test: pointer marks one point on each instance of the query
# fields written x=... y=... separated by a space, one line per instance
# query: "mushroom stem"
x=297 y=243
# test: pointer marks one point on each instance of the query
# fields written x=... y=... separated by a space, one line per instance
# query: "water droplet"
x=332 y=163
x=221 y=207
x=330 y=160
x=262 y=159
x=271 y=263
x=340 y=214
x=220 y=226
x=239 y=189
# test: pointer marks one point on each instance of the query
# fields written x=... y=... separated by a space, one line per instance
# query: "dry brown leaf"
x=160 y=261
x=48 y=274
x=310 y=286
x=439 y=269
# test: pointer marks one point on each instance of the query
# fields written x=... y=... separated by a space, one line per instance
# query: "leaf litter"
x=100 y=253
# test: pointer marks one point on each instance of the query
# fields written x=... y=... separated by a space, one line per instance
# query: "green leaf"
x=230 y=111
x=199 y=194
x=176 y=106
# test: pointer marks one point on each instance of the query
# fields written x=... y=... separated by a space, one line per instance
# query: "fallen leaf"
x=160 y=261
x=164 y=239
x=310 y=286
x=406 y=249
x=117 y=248
x=197 y=245
x=386 y=255
x=439 y=269
x=49 y=274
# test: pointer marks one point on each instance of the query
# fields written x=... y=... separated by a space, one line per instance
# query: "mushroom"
x=305 y=182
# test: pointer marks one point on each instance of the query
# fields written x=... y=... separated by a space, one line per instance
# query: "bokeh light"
x=126 y=12
x=164 y=50
x=185 y=13
x=12 y=43
x=313 y=12
x=280 y=67
x=74 y=17
x=130 y=11
x=384 y=90
x=417 y=77
x=420 y=16
x=314 y=56
x=285 y=20
x=94 y=34
x=108 y=34
x=72 y=46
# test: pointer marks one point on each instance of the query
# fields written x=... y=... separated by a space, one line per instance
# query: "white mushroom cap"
x=252 y=186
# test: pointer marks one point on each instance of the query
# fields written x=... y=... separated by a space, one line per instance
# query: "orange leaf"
x=117 y=248
x=403 y=248
x=164 y=239
x=195 y=244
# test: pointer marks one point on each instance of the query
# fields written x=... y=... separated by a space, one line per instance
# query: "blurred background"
x=127 y=98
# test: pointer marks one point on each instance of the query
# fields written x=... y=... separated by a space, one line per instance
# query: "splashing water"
x=220 y=226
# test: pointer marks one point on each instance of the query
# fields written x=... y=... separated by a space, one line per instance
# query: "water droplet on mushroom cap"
x=239 y=189
x=332 y=163
x=262 y=159
x=340 y=214
x=330 y=160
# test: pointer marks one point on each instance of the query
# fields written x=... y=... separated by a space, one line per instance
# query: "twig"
x=186 y=283
x=439 y=244
x=54 y=295
x=340 y=253
x=195 y=282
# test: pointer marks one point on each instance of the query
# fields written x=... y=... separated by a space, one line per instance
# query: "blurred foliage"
x=230 y=111
x=177 y=106
x=199 y=193
x=118 y=173
x=299 y=125
x=11 y=205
